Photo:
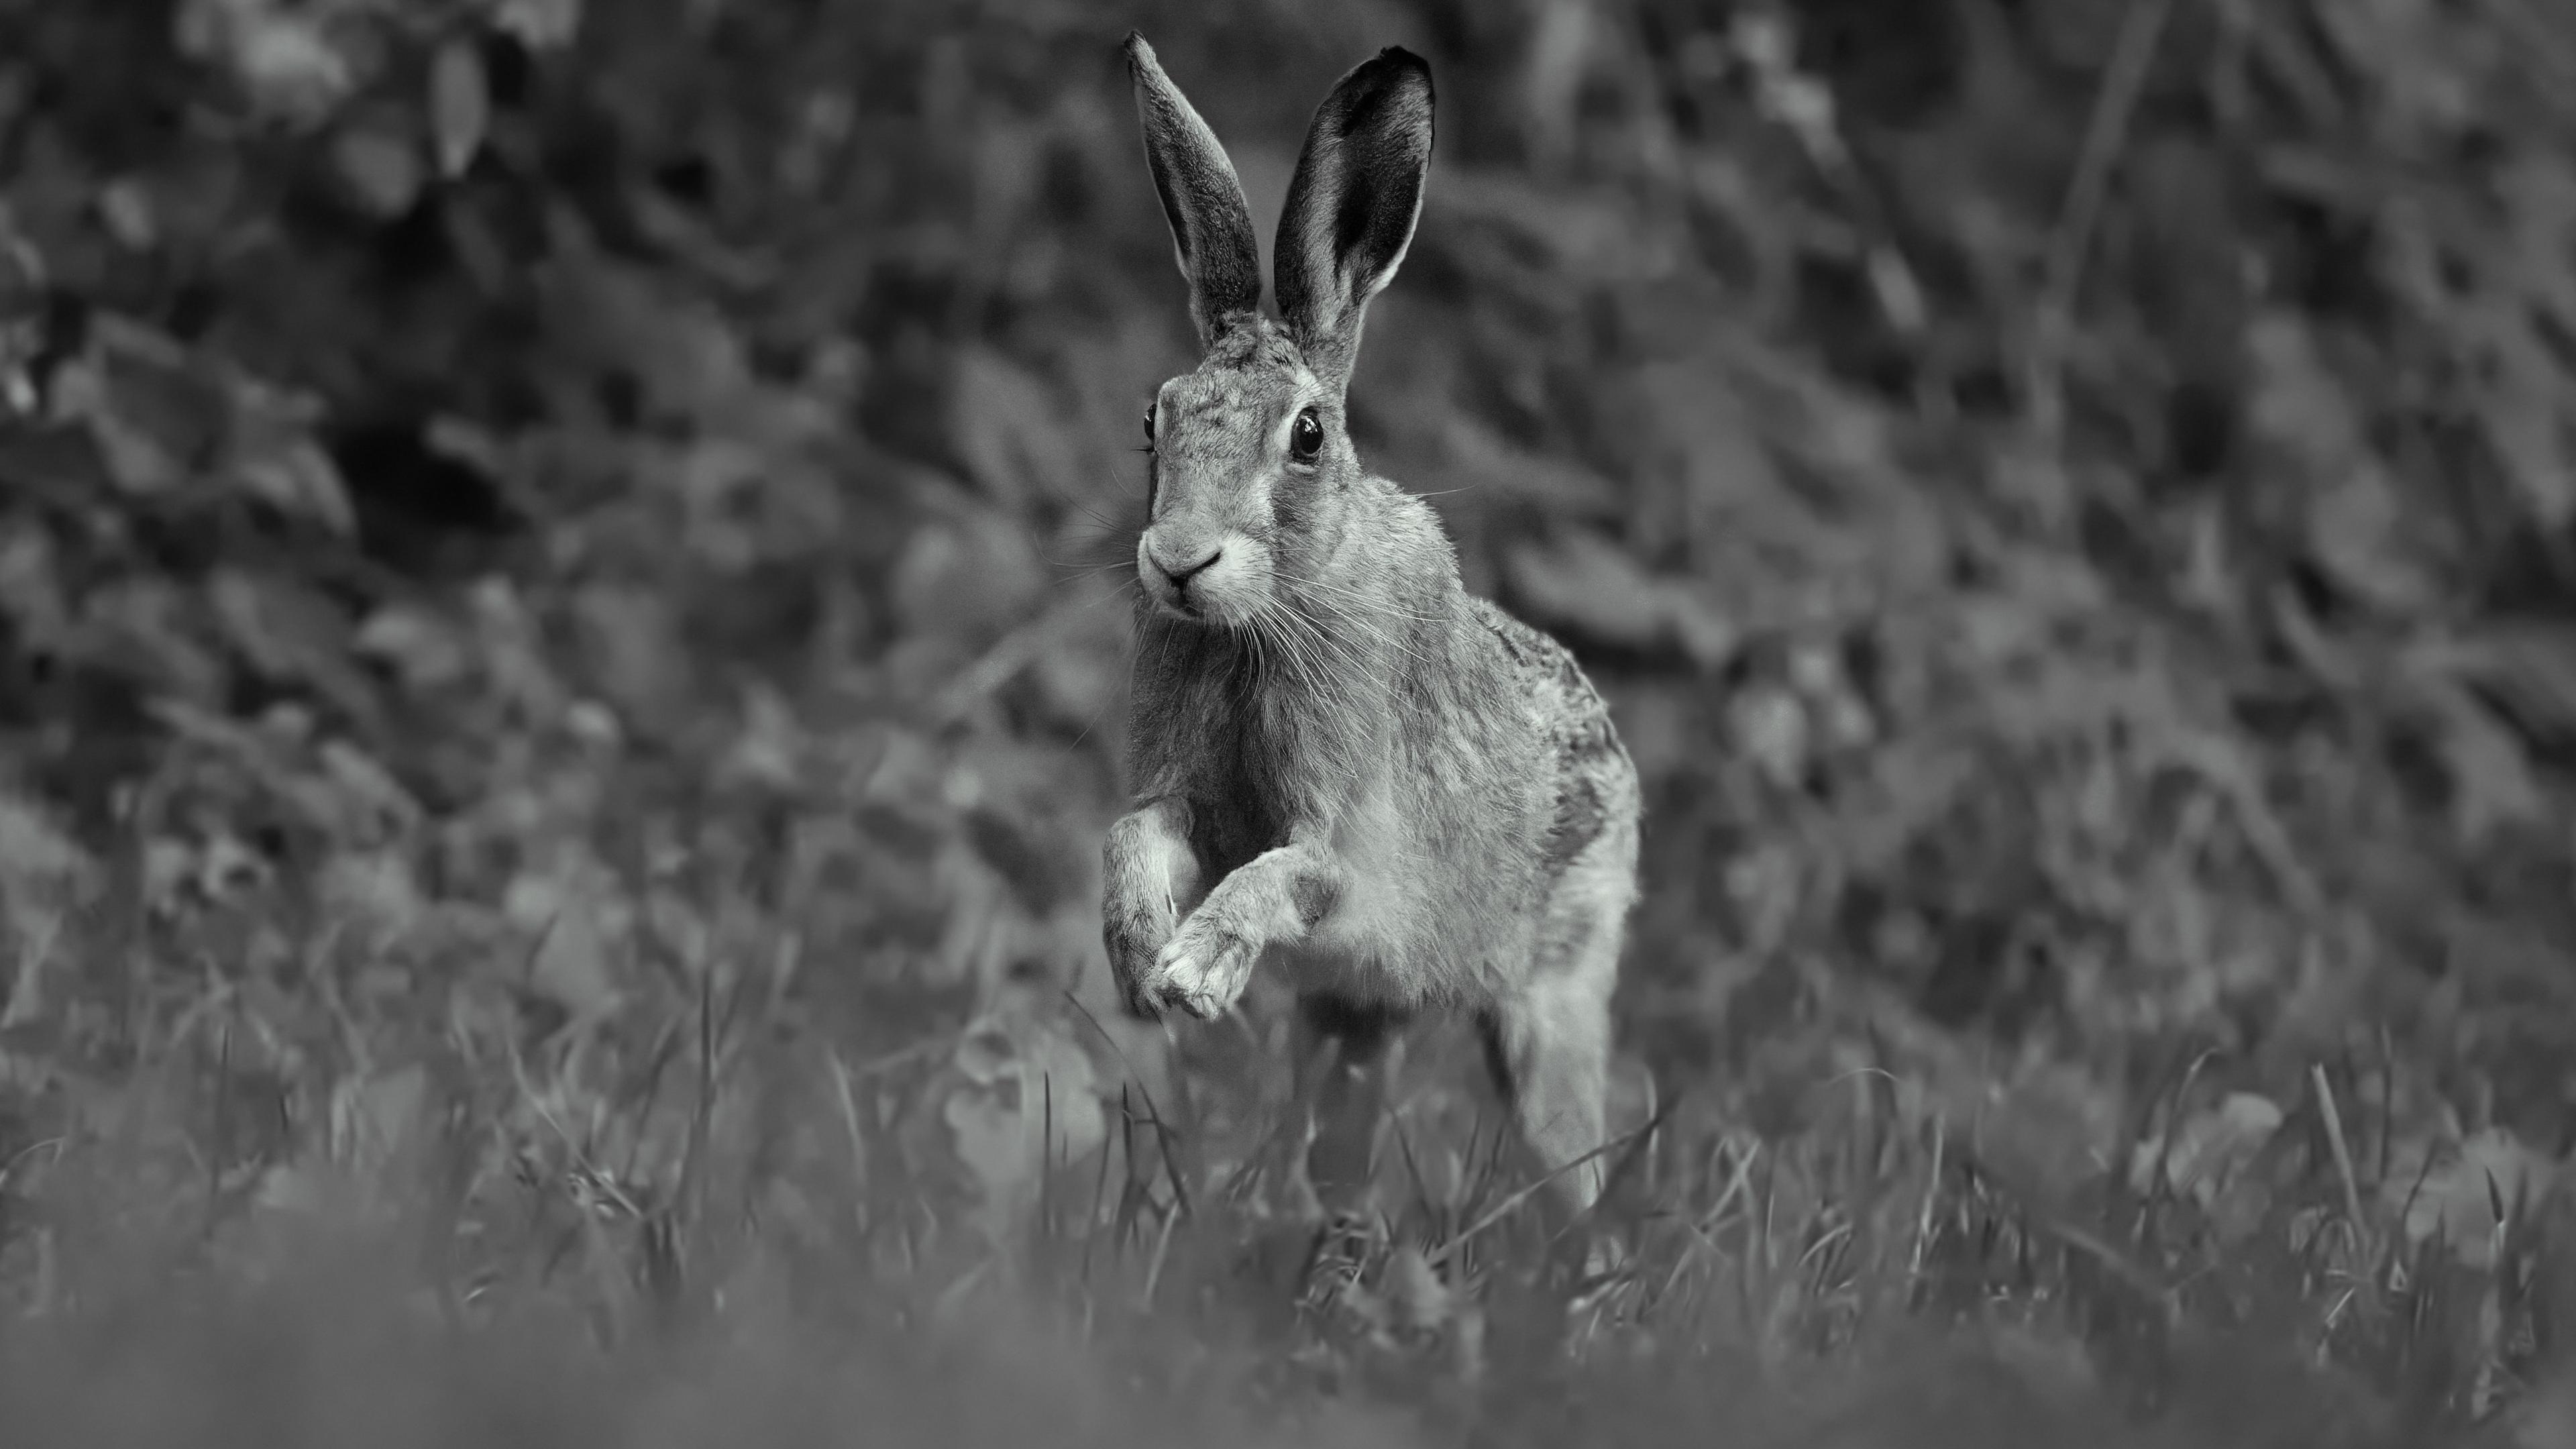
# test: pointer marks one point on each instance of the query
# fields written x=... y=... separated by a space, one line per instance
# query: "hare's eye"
x=1149 y=425
x=1305 y=437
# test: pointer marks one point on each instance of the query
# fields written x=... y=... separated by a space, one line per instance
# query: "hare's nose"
x=1181 y=573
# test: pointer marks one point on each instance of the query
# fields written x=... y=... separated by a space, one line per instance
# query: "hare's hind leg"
x=1549 y=1047
x=1342 y=1048
x=1548 y=1039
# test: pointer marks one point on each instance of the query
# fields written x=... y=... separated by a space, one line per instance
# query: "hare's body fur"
x=1347 y=769
x=1455 y=763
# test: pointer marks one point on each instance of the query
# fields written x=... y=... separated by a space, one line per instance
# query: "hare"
x=1344 y=765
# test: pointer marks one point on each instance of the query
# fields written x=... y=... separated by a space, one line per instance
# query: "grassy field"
x=329 y=1216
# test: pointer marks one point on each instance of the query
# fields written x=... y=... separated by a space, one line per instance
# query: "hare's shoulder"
x=1590 y=789
x=1535 y=661
x=1544 y=673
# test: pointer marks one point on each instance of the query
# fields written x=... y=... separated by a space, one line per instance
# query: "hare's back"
x=1590 y=781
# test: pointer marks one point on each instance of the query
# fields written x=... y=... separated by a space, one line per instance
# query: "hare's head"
x=1249 y=451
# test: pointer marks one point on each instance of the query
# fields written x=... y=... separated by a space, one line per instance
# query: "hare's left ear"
x=1352 y=204
x=1211 y=225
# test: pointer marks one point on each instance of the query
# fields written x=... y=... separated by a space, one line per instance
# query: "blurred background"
x=554 y=551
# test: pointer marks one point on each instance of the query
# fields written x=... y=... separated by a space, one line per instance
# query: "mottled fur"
x=1346 y=766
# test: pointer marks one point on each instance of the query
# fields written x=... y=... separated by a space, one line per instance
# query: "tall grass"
x=287 y=1222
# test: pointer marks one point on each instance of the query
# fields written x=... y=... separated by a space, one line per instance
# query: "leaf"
x=125 y=204
x=294 y=1187
x=369 y=788
x=770 y=747
x=425 y=649
x=2455 y=1198
x=2357 y=525
x=1771 y=727
x=2521 y=411
x=149 y=627
x=460 y=105
x=631 y=644
x=284 y=57
x=2419 y=57
x=2492 y=782
x=2529 y=667
x=37 y=859
x=571 y=963
x=1025 y=1103
x=539 y=24
x=1422 y=1303
x=285 y=629
x=2201 y=1156
x=375 y=891
x=985 y=1053
x=22 y=274
x=2451 y=680
x=381 y=169
x=151 y=415
x=300 y=480
x=32 y=598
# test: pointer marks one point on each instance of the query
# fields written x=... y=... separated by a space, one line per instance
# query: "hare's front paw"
x=1204 y=968
x=1134 y=938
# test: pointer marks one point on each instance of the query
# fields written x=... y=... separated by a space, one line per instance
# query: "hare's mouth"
x=1210 y=581
x=1183 y=599
x=1195 y=606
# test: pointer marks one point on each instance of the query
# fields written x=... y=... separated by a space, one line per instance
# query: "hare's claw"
x=1142 y=1002
x=1131 y=968
x=1203 y=970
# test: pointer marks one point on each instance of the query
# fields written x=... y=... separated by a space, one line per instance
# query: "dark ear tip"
x=1405 y=62
x=1402 y=65
x=1138 y=53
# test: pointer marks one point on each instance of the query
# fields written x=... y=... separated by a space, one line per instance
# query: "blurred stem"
x=2105 y=135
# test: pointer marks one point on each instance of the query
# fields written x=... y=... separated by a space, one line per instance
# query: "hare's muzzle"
x=1168 y=565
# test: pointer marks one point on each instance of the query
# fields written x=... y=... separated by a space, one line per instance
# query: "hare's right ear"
x=1211 y=224
x=1352 y=204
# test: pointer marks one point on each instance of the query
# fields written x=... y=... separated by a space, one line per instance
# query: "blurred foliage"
x=522 y=518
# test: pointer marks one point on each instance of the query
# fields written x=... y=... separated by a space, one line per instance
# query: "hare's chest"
x=1254 y=782
x=1277 y=763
